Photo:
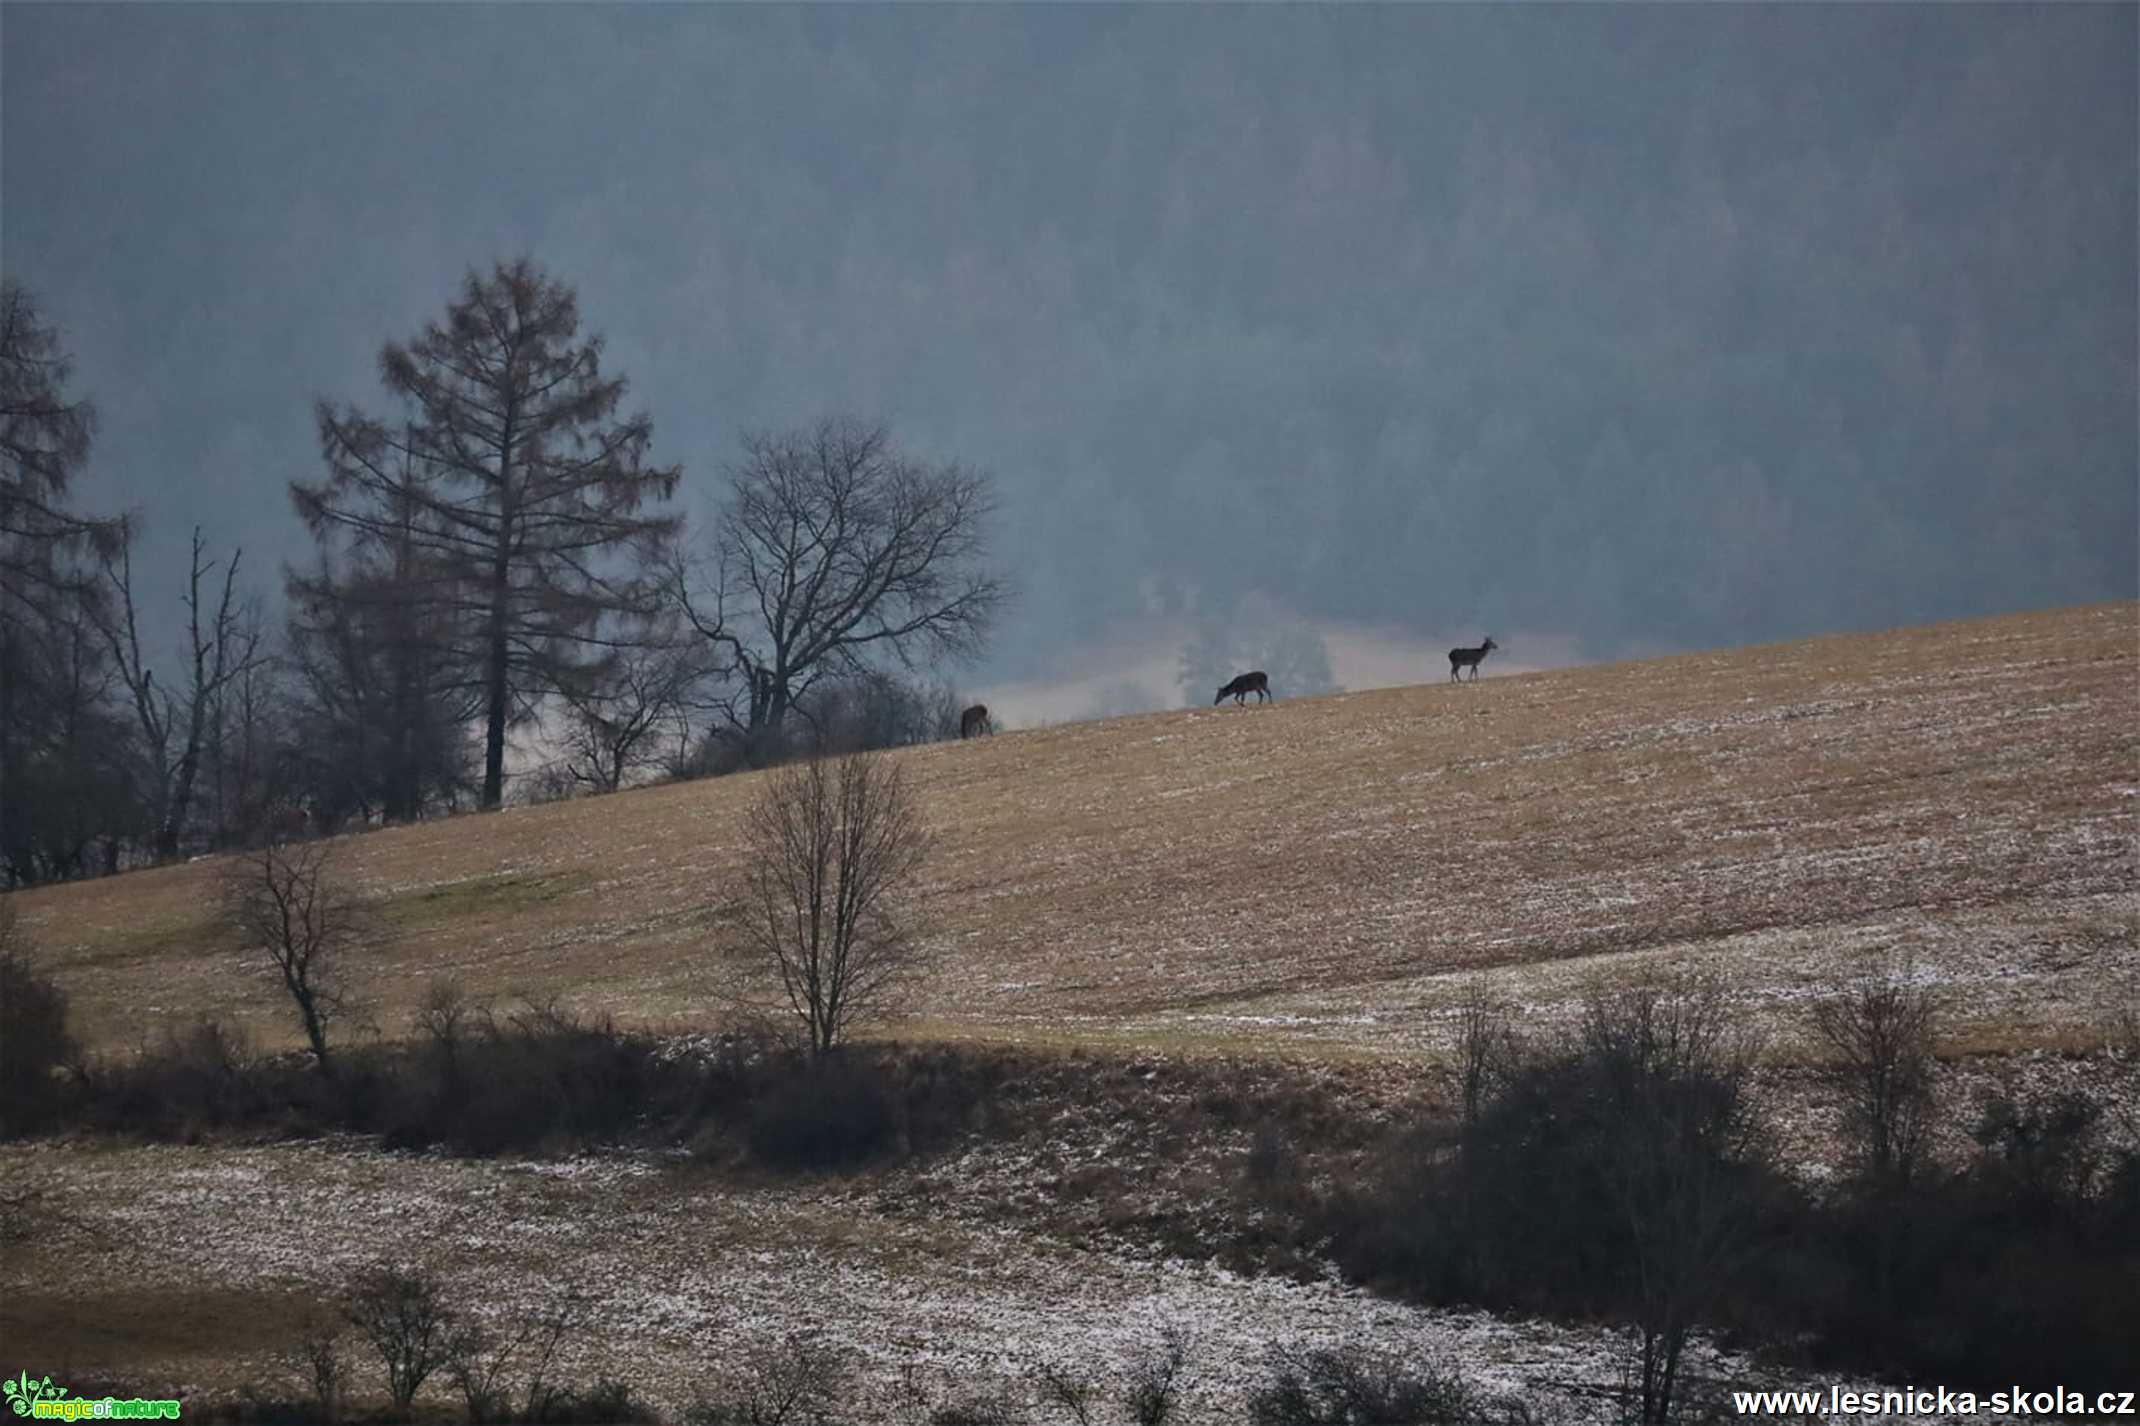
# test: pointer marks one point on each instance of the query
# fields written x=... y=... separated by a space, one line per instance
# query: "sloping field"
x=1306 y=875
x=1303 y=879
x=687 y=1273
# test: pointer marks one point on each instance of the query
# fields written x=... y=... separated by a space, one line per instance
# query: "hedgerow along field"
x=1304 y=877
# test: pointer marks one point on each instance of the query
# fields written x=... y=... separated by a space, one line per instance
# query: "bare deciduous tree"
x=317 y=1356
x=225 y=649
x=403 y=1316
x=481 y=1361
x=283 y=901
x=837 y=551
x=249 y=754
x=798 y=1381
x=385 y=638
x=516 y=483
x=617 y=716
x=1155 y=1378
x=1880 y=1032
x=832 y=843
x=1060 y=1384
x=1485 y=1047
x=1677 y=1071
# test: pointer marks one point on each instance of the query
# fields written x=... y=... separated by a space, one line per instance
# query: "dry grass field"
x=1305 y=876
x=1295 y=886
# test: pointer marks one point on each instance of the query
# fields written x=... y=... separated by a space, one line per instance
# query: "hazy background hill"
x=1642 y=328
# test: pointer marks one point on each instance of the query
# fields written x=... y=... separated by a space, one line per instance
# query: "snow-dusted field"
x=682 y=1278
x=1313 y=880
x=1303 y=874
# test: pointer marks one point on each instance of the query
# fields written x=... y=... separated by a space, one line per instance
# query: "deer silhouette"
x=1461 y=659
x=1258 y=683
x=975 y=721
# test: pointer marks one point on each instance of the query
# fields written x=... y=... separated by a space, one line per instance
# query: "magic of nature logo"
x=38 y=1398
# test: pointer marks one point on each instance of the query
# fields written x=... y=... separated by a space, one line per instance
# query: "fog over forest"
x=1604 y=330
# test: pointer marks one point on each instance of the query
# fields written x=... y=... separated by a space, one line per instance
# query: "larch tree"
x=384 y=641
x=44 y=443
x=383 y=701
x=61 y=781
x=516 y=484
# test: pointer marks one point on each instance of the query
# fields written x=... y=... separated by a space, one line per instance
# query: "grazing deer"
x=975 y=721
x=1461 y=659
x=1258 y=683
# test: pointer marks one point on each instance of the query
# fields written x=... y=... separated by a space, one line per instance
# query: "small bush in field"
x=798 y=1381
x=1155 y=1379
x=35 y=1044
x=606 y=1400
x=194 y=1078
x=1355 y=1386
x=484 y=1083
x=402 y=1316
x=1881 y=1034
x=831 y=1113
x=2044 y=1154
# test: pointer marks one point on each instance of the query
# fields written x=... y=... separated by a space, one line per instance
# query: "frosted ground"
x=1311 y=881
x=1303 y=875
x=682 y=1274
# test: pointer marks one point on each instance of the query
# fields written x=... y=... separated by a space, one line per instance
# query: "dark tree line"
x=61 y=774
x=497 y=567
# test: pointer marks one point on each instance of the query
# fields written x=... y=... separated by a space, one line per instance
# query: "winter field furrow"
x=680 y=1277
x=1903 y=785
x=1303 y=888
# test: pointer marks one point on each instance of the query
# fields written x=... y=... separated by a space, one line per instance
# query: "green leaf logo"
x=21 y=1392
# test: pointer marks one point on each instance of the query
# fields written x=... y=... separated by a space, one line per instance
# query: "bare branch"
x=834 y=553
x=283 y=902
x=1880 y=1032
x=832 y=845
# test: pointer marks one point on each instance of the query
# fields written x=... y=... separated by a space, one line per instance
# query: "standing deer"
x=1461 y=659
x=1258 y=683
x=975 y=721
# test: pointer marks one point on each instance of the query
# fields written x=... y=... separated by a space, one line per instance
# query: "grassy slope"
x=1306 y=874
x=1300 y=877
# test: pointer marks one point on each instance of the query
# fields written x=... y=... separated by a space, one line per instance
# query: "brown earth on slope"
x=1305 y=876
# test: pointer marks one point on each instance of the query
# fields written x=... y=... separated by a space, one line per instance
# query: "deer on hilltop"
x=975 y=721
x=1461 y=659
x=1258 y=683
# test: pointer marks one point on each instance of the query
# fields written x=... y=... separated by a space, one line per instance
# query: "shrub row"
x=396 y=1331
x=481 y=1083
x=1622 y=1173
